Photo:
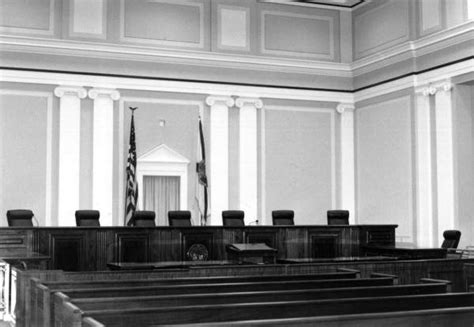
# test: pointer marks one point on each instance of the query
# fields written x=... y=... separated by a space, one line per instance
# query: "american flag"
x=201 y=194
x=131 y=194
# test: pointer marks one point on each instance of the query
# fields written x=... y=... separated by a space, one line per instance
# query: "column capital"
x=98 y=92
x=78 y=91
x=343 y=107
x=257 y=103
x=227 y=101
x=426 y=90
x=445 y=86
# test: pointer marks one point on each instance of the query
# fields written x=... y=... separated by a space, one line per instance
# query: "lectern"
x=258 y=253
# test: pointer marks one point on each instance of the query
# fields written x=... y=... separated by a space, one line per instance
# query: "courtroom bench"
x=69 y=312
x=27 y=292
x=276 y=310
x=458 y=317
x=43 y=310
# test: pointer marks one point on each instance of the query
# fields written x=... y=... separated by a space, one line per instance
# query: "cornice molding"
x=436 y=79
x=118 y=83
x=412 y=49
x=175 y=56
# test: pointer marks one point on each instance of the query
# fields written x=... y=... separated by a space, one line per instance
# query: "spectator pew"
x=25 y=289
x=276 y=310
x=44 y=309
x=69 y=312
x=459 y=317
x=41 y=291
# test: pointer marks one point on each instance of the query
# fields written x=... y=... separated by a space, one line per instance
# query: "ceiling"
x=335 y=4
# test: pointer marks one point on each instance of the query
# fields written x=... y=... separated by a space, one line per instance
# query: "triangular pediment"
x=163 y=153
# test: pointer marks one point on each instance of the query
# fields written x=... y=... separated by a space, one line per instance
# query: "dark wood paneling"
x=75 y=248
x=14 y=240
x=325 y=244
x=68 y=252
x=132 y=247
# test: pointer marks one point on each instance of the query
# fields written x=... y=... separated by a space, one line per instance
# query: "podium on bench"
x=254 y=253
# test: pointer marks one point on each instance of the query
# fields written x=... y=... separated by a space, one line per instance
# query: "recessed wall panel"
x=31 y=17
x=430 y=16
x=173 y=23
x=299 y=157
x=233 y=27
x=299 y=35
x=381 y=27
x=384 y=165
x=87 y=18
x=23 y=134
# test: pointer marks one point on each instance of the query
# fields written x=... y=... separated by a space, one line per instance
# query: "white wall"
x=384 y=163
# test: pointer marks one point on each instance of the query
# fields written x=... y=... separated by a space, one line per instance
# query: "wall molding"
x=416 y=80
x=172 y=86
x=49 y=147
x=142 y=53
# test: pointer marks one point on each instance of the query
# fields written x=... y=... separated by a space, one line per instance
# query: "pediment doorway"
x=162 y=176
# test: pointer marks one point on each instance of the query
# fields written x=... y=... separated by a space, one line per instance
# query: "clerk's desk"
x=91 y=248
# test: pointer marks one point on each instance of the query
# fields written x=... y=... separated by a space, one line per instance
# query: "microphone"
x=252 y=222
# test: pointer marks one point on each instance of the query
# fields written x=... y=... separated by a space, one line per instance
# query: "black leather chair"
x=144 y=218
x=338 y=217
x=20 y=218
x=179 y=218
x=88 y=218
x=451 y=239
x=283 y=217
x=233 y=218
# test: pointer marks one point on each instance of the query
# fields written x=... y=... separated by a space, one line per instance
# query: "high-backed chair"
x=451 y=239
x=283 y=217
x=20 y=218
x=144 y=218
x=88 y=218
x=233 y=218
x=179 y=218
x=338 y=217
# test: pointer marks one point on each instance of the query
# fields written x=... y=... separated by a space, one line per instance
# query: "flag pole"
x=131 y=193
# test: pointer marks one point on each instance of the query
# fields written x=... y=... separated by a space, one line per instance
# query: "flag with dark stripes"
x=202 y=178
x=131 y=195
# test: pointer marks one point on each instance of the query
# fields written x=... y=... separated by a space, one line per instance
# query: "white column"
x=444 y=158
x=219 y=156
x=346 y=110
x=69 y=151
x=424 y=188
x=248 y=156
x=103 y=142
